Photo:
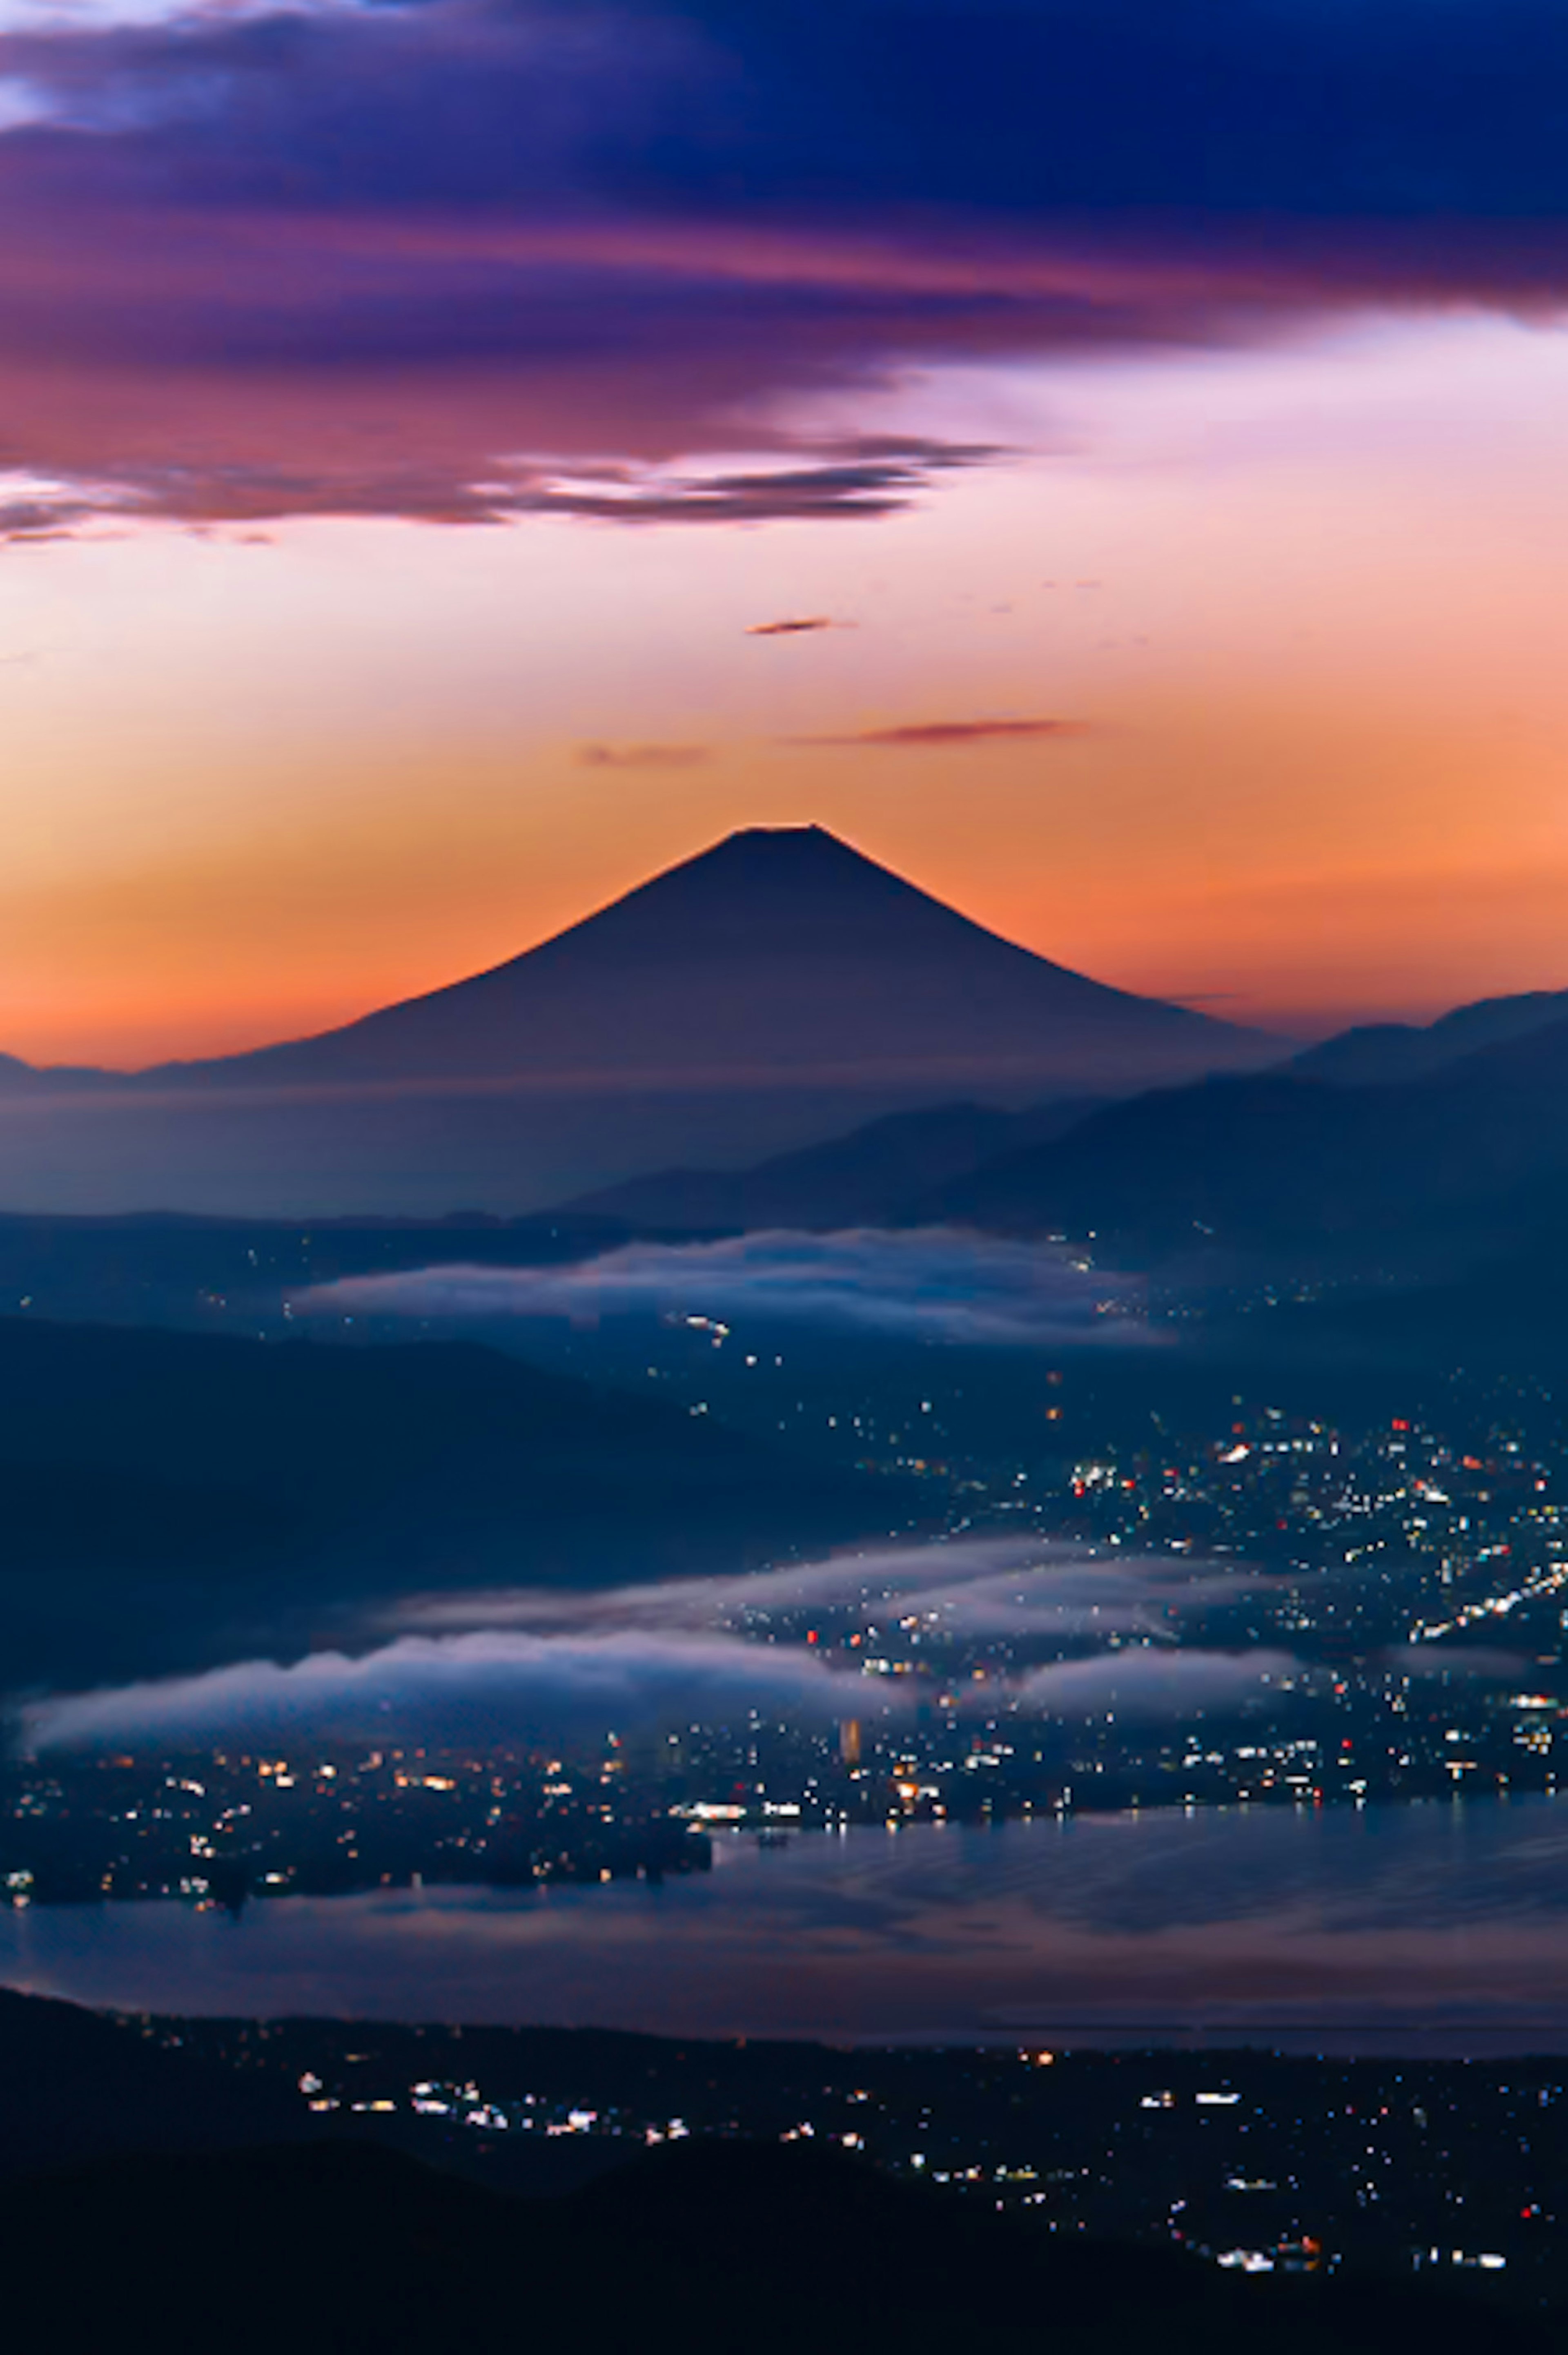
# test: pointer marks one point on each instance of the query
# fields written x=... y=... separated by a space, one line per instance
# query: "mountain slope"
x=700 y=2246
x=169 y=1495
x=20 y=1079
x=76 y=2085
x=1439 y=1164
x=873 y=1176
x=780 y=950
x=1387 y=1052
x=773 y=992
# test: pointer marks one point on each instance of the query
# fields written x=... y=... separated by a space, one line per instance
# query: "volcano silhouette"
x=780 y=952
x=775 y=989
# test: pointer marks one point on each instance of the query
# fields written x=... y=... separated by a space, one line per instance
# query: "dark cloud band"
x=937 y=734
x=247 y=247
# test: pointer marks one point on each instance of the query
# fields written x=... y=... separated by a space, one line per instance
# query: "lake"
x=1439 y=1928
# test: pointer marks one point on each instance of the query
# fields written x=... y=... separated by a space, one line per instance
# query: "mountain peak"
x=759 y=882
x=778 y=954
x=798 y=850
x=793 y=845
x=798 y=830
x=803 y=856
x=775 y=989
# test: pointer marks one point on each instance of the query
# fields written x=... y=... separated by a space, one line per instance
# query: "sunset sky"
x=412 y=417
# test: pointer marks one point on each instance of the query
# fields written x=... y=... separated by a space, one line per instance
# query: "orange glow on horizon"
x=1296 y=611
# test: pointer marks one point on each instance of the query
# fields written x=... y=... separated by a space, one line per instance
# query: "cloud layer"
x=1140 y=1682
x=488 y=1683
x=643 y=756
x=978 y=1584
x=539 y=1663
x=933 y=1282
x=475 y=259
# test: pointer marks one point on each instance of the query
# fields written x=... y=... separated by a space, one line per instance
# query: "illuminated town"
x=1412 y=1583
x=1248 y=2160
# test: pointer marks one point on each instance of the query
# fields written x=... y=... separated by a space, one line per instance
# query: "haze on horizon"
x=1178 y=508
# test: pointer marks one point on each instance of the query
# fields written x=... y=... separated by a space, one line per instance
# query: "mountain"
x=781 y=949
x=77 y=2085
x=1386 y=1052
x=1439 y=1166
x=18 y=1078
x=700 y=2246
x=173 y=1498
x=873 y=1176
x=774 y=991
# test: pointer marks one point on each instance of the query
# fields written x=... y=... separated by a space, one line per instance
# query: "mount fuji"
x=775 y=989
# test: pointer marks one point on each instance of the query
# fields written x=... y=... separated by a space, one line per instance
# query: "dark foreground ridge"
x=698 y=2246
x=223 y=2211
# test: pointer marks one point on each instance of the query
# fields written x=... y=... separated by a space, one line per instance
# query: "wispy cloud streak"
x=1140 y=1682
x=536 y=1663
x=932 y=1282
x=643 y=756
x=1029 y=1584
x=489 y=1683
x=941 y=734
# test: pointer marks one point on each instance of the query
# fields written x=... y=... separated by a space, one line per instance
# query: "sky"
x=414 y=418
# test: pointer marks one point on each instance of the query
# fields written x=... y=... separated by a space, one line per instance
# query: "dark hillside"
x=707 y=2247
x=167 y=1492
x=1438 y=1164
x=876 y=1175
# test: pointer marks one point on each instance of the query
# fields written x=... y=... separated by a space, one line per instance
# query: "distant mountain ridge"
x=38 y=1078
x=876 y=1175
x=773 y=991
x=1376 y=1052
x=973 y=1162
x=1441 y=1163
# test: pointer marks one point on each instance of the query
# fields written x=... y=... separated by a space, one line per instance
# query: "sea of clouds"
x=537 y=1664
x=935 y=1284
x=540 y=1663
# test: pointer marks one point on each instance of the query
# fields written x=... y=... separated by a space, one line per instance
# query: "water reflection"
x=1435 y=1928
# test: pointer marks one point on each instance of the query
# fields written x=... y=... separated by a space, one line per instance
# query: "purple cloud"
x=943 y=733
x=516 y=247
